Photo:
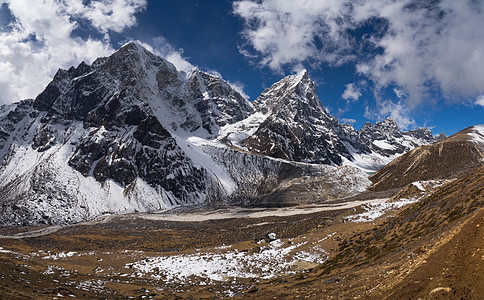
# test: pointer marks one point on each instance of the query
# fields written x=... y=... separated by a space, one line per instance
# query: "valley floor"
x=296 y=252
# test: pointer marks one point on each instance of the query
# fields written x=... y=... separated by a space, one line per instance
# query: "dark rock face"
x=216 y=101
x=394 y=140
x=298 y=128
x=14 y=115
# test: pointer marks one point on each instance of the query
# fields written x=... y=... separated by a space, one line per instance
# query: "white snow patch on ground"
x=56 y=256
x=419 y=186
x=376 y=210
x=5 y=251
x=426 y=185
x=205 y=267
x=218 y=266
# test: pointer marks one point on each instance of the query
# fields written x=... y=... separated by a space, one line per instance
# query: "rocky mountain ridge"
x=131 y=133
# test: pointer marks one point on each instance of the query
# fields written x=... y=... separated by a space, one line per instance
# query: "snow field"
x=273 y=260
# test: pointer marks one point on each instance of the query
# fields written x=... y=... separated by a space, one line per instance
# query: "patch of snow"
x=419 y=186
x=239 y=131
x=376 y=210
x=57 y=256
x=369 y=163
x=193 y=149
x=425 y=185
x=271 y=236
x=205 y=267
x=5 y=251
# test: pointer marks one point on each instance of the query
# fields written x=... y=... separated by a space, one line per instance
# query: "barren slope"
x=448 y=158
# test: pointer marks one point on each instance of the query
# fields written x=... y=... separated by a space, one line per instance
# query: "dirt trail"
x=35 y=233
x=239 y=212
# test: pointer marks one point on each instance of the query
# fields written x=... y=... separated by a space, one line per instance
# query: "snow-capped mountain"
x=131 y=133
x=291 y=123
x=296 y=126
x=387 y=142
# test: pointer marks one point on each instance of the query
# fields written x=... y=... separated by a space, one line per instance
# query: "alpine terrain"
x=131 y=133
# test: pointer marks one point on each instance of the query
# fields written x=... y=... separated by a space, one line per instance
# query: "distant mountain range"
x=131 y=133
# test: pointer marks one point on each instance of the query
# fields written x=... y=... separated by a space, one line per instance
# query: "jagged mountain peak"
x=293 y=93
x=387 y=128
x=300 y=77
x=135 y=56
x=439 y=137
x=387 y=124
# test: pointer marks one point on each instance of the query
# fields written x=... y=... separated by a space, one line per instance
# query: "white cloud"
x=348 y=121
x=283 y=32
x=351 y=93
x=399 y=93
x=40 y=40
x=106 y=15
x=425 y=45
x=398 y=112
x=480 y=100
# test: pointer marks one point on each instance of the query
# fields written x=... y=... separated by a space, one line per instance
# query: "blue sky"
x=420 y=62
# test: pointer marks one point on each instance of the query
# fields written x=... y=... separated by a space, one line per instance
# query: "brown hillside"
x=429 y=250
x=448 y=158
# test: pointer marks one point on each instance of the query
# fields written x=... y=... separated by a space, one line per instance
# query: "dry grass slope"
x=448 y=158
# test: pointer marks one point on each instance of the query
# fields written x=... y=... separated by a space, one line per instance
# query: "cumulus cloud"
x=40 y=38
x=106 y=15
x=420 y=46
x=351 y=93
x=289 y=32
x=480 y=100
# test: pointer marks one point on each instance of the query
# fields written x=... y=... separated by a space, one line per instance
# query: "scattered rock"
x=271 y=236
